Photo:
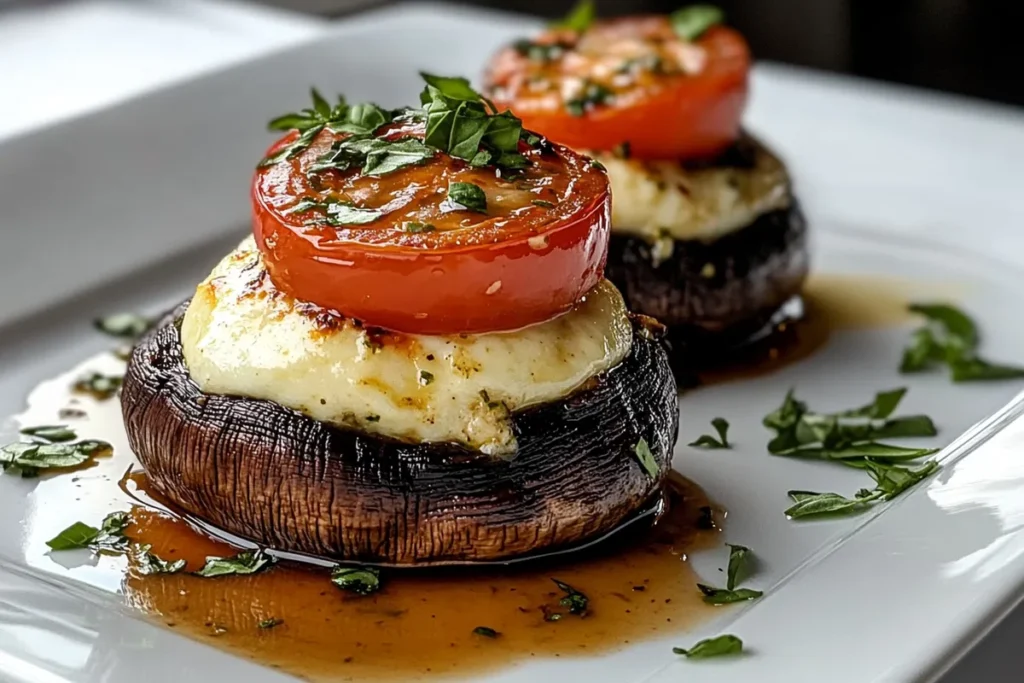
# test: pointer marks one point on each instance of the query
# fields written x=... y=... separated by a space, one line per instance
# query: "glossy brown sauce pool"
x=422 y=623
x=830 y=304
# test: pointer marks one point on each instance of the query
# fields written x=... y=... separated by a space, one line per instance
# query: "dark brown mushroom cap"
x=717 y=293
x=274 y=476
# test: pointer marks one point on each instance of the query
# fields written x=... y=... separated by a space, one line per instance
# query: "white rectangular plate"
x=128 y=208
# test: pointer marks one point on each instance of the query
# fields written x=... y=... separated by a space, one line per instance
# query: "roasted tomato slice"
x=630 y=80
x=399 y=251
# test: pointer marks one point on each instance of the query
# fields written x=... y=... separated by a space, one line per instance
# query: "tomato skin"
x=676 y=117
x=442 y=288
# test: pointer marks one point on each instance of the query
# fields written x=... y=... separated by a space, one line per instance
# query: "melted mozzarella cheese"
x=656 y=200
x=243 y=337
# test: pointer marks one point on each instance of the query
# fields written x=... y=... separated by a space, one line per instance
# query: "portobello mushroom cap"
x=716 y=294
x=281 y=479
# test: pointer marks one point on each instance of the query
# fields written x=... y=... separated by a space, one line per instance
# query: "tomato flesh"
x=669 y=99
x=427 y=265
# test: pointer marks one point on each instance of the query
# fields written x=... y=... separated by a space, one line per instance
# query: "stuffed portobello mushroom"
x=706 y=233
x=415 y=359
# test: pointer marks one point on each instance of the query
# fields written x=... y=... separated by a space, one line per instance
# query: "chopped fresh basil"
x=468 y=195
x=272 y=622
x=426 y=377
x=579 y=18
x=592 y=95
x=414 y=227
x=109 y=537
x=594 y=163
x=358 y=580
x=543 y=203
x=242 y=564
x=362 y=119
x=32 y=457
x=78 y=535
x=690 y=23
x=645 y=457
x=724 y=596
x=146 y=563
x=951 y=338
x=712 y=647
x=849 y=438
x=100 y=386
x=486 y=632
x=51 y=433
x=540 y=52
x=391 y=156
x=741 y=560
x=576 y=601
x=348 y=214
x=124 y=325
x=294 y=148
x=453 y=87
x=721 y=426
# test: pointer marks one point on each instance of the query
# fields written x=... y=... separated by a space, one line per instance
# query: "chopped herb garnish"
x=358 y=580
x=540 y=52
x=242 y=564
x=486 y=632
x=724 y=596
x=543 y=203
x=741 y=560
x=100 y=386
x=576 y=601
x=468 y=196
x=32 y=457
x=124 y=325
x=951 y=338
x=109 y=537
x=51 y=433
x=849 y=438
x=147 y=563
x=594 y=163
x=712 y=647
x=645 y=457
x=592 y=95
x=706 y=441
x=690 y=23
x=272 y=622
x=426 y=377
x=414 y=227
x=338 y=213
x=579 y=18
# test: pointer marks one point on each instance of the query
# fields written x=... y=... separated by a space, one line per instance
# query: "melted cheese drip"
x=662 y=200
x=242 y=337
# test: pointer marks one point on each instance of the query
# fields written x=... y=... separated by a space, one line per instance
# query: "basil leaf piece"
x=320 y=105
x=415 y=227
x=469 y=125
x=690 y=23
x=358 y=580
x=364 y=118
x=712 y=647
x=893 y=480
x=543 y=203
x=272 y=622
x=146 y=563
x=124 y=325
x=976 y=369
x=645 y=457
x=741 y=560
x=468 y=195
x=100 y=386
x=37 y=456
x=540 y=52
x=293 y=121
x=592 y=95
x=391 y=156
x=951 y=337
x=486 y=632
x=883 y=406
x=810 y=504
x=452 y=87
x=78 y=535
x=295 y=148
x=579 y=18
x=339 y=213
x=51 y=433
x=504 y=132
x=576 y=601
x=242 y=564
x=721 y=426
x=723 y=596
